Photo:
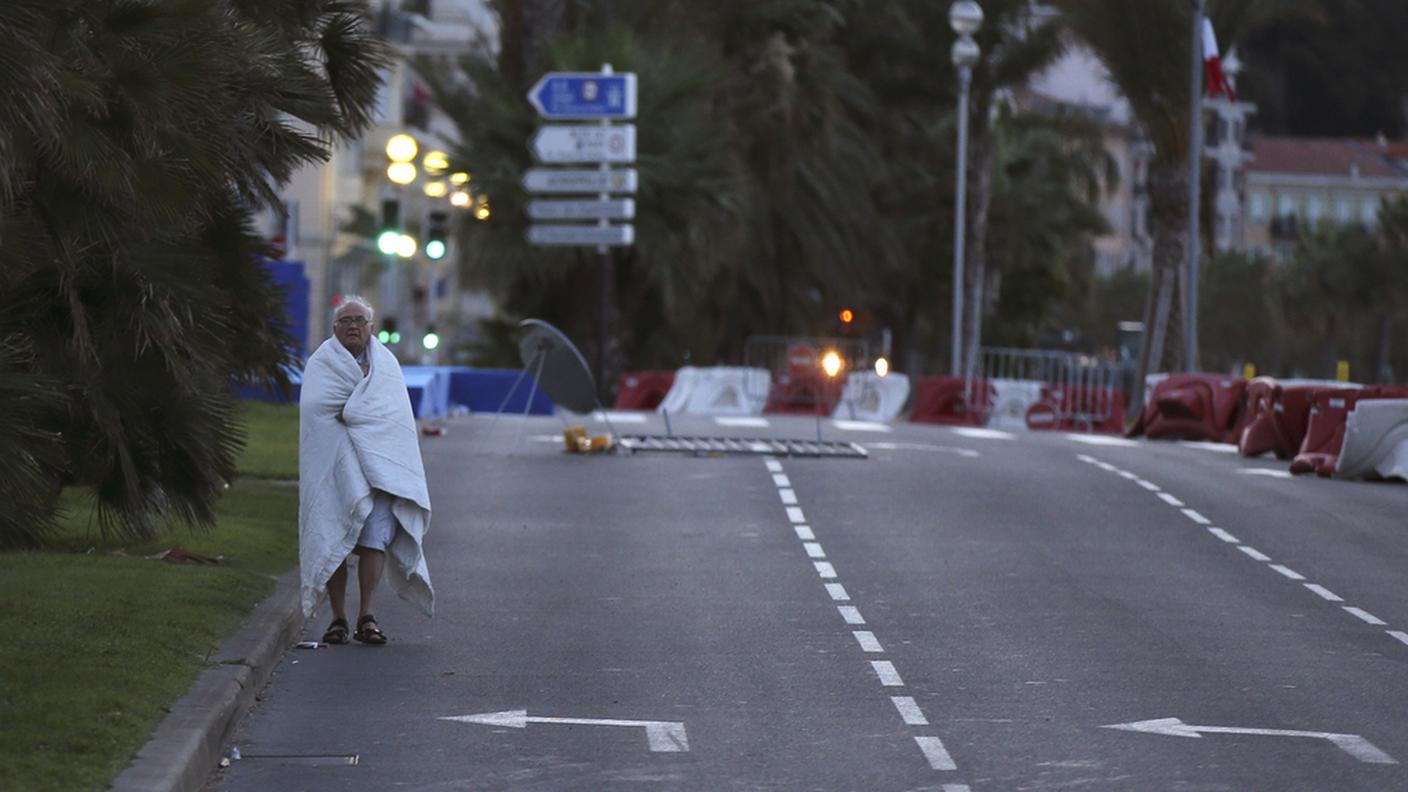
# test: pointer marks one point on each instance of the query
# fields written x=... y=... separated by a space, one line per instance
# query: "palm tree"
x=136 y=142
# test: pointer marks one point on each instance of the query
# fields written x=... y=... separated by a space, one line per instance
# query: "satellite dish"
x=561 y=371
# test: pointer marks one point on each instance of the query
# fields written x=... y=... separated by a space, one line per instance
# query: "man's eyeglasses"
x=352 y=321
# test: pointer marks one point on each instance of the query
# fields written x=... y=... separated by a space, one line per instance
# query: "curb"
x=186 y=746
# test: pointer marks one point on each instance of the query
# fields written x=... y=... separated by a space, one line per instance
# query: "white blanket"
x=339 y=462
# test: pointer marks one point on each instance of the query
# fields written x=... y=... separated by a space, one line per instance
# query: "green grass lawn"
x=98 y=640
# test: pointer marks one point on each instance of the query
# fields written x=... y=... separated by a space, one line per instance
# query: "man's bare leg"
x=369 y=571
x=337 y=591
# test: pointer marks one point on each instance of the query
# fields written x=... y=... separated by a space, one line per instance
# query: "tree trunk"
x=1162 y=346
x=976 y=253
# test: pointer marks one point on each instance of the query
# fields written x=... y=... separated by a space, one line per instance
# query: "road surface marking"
x=955 y=787
x=1254 y=553
x=861 y=426
x=1324 y=592
x=804 y=532
x=1170 y=500
x=774 y=466
x=963 y=452
x=667 y=736
x=1352 y=744
x=1106 y=466
x=1101 y=440
x=789 y=497
x=1126 y=474
x=1148 y=485
x=825 y=569
x=939 y=759
x=982 y=434
x=1288 y=572
x=1399 y=635
x=851 y=614
x=794 y=513
x=741 y=421
x=781 y=480
x=759 y=447
x=1196 y=517
x=814 y=550
x=1087 y=459
x=1365 y=616
x=619 y=417
x=889 y=677
x=909 y=711
x=867 y=641
x=838 y=592
x=1268 y=472
x=1224 y=536
x=1222 y=448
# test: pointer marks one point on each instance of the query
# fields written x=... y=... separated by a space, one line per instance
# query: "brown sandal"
x=336 y=633
x=369 y=635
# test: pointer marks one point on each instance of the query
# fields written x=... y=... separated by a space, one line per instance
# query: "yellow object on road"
x=576 y=440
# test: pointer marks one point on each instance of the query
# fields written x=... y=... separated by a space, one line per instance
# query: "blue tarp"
x=435 y=389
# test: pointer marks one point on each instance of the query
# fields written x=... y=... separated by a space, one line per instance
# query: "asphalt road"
x=959 y=611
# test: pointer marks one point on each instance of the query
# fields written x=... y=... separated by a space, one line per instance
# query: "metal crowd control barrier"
x=799 y=382
x=1083 y=392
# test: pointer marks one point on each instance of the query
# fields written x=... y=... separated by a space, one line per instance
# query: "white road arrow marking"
x=666 y=736
x=1352 y=744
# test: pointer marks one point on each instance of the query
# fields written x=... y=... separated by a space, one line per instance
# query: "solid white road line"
x=1324 y=593
x=1221 y=448
x=1268 y=472
x=741 y=420
x=838 y=592
x=861 y=426
x=789 y=497
x=939 y=759
x=1254 y=553
x=909 y=711
x=889 y=677
x=1399 y=635
x=1101 y=440
x=774 y=466
x=867 y=641
x=1170 y=500
x=1148 y=485
x=1196 y=517
x=825 y=569
x=1366 y=616
x=620 y=417
x=814 y=550
x=1224 y=536
x=982 y=434
x=1087 y=459
x=1288 y=572
x=804 y=532
x=794 y=513
x=781 y=480
x=851 y=614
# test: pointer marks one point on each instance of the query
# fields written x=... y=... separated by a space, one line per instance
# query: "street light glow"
x=401 y=148
x=460 y=199
x=435 y=162
x=459 y=177
x=388 y=241
x=401 y=172
x=483 y=211
x=831 y=363
x=435 y=250
x=406 y=246
x=882 y=367
x=435 y=189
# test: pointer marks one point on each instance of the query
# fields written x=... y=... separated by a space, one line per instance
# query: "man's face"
x=352 y=328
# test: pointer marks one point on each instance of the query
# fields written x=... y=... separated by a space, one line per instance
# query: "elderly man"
x=361 y=481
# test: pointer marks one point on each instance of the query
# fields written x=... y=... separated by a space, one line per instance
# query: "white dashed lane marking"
x=741 y=421
x=794 y=513
x=814 y=550
x=1253 y=553
x=774 y=466
x=1169 y=499
x=838 y=592
x=781 y=480
x=909 y=711
x=1365 y=616
x=825 y=569
x=1324 y=593
x=889 y=677
x=789 y=497
x=851 y=614
x=867 y=640
x=804 y=532
x=1196 y=517
x=937 y=755
x=1288 y=572
x=1224 y=536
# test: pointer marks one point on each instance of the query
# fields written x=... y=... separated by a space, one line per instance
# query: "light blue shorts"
x=380 y=527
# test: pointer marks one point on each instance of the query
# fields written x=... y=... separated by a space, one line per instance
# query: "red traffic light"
x=847 y=316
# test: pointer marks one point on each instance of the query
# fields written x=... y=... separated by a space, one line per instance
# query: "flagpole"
x=1195 y=178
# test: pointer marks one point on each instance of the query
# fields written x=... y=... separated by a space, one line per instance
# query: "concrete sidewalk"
x=186 y=747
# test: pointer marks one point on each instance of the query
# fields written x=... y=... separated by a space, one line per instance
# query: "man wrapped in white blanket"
x=361 y=481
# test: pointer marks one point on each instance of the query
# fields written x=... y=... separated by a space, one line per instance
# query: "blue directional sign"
x=585 y=95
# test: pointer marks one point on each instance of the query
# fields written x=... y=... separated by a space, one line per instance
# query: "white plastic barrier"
x=871 y=397
x=1014 y=397
x=1375 y=440
x=719 y=390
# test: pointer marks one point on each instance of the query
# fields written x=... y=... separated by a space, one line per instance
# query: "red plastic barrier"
x=1192 y=407
x=1256 y=431
x=807 y=392
x=643 y=390
x=1329 y=413
x=941 y=400
x=1076 y=409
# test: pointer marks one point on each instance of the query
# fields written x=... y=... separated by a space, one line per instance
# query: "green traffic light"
x=431 y=340
x=387 y=241
x=395 y=338
x=383 y=336
x=435 y=250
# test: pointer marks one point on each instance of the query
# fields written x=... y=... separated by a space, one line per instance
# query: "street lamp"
x=965 y=17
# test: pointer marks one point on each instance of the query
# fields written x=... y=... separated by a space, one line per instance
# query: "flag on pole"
x=1217 y=81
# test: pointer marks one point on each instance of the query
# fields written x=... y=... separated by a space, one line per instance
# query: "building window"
x=1314 y=208
x=1260 y=208
x=1344 y=209
x=1285 y=205
x=1369 y=210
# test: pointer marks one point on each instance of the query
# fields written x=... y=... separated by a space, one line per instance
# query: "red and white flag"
x=1217 y=81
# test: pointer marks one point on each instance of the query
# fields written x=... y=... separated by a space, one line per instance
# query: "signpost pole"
x=604 y=298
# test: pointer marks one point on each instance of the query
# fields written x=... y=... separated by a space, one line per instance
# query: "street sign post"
x=584 y=95
x=547 y=180
x=619 y=209
x=574 y=235
x=583 y=143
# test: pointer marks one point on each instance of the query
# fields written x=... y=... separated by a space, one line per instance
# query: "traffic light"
x=431 y=339
x=847 y=316
x=388 y=334
x=389 y=232
x=437 y=229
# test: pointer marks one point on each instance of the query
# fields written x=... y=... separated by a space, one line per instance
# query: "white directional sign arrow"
x=585 y=143
x=567 y=235
x=546 y=180
x=1352 y=744
x=618 y=209
x=665 y=736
